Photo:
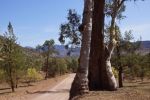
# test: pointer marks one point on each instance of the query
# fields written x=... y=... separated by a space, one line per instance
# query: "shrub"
x=33 y=75
x=115 y=72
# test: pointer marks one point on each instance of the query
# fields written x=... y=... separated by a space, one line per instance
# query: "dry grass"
x=25 y=92
x=131 y=91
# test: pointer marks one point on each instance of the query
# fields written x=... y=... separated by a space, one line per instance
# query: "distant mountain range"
x=145 y=44
x=62 y=52
x=145 y=47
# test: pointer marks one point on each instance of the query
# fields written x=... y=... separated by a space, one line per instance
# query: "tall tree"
x=124 y=52
x=46 y=49
x=130 y=51
x=80 y=83
x=117 y=5
x=69 y=32
x=100 y=71
x=96 y=64
x=10 y=52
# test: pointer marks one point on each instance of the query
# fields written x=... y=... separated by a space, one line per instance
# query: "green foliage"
x=16 y=63
x=110 y=9
x=47 y=50
x=72 y=64
x=57 y=66
x=61 y=65
x=11 y=55
x=31 y=60
x=115 y=72
x=134 y=65
x=69 y=31
x=15 y=60
x=33 y=75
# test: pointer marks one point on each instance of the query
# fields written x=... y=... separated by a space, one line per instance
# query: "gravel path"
x=58 y=92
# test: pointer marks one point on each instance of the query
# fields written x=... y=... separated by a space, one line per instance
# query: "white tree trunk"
x=80 y=83
x=109 y=50
x=110 y=74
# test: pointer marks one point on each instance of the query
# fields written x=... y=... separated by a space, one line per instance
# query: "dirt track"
x=58 y=92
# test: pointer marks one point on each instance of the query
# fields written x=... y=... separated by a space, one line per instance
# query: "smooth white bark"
x=80 y=83
x=112 y=44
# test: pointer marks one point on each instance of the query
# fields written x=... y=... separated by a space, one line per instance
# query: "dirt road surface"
x=58 y=92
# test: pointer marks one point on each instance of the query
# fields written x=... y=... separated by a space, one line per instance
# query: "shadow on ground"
x=43 y=92
x=5 y=93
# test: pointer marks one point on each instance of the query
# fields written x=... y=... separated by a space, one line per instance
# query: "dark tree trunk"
x=12 y=87
x=96 y=65
x=47 y=64
x=17 y=79
x=12 y=84
x=120 y=76
x=46 y=75
x=11 y=78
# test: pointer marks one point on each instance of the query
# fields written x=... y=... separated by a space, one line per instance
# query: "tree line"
x=20 y=65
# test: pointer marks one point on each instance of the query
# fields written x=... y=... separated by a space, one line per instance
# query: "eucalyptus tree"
x=11 y=57
x=69 y=32
x=47 y=49
x=100 y=71
x=80 y=82
x=117 y=58
x=125 y=53
x=130 y=49
x=115 y=11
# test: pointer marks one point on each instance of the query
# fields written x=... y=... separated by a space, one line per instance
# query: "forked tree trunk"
x=112 y=44
x=80 y=83
x=101 y=76
x=111 y=78
x=108 y=53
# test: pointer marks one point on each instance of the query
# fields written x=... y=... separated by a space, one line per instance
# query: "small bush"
x=115 y=72
x=33 y=75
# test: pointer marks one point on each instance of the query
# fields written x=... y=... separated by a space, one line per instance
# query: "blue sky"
x=35 y=21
